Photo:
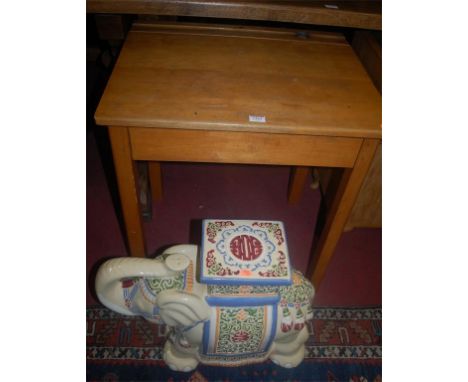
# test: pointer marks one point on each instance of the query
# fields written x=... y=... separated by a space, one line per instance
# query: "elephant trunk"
x=112 y=272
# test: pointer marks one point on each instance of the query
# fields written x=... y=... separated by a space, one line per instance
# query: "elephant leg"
x=177 y=360
x=290 y=353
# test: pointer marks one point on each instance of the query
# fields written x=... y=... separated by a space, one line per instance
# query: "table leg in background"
x=296 y=183
x=128 y=189
x=340 y=208
x=155 y=180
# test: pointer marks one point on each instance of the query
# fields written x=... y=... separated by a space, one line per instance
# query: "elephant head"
x=160 y=288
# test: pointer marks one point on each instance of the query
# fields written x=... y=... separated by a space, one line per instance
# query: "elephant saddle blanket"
x=240 y=328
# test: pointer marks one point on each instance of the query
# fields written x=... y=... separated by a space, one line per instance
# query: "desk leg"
x=338 y=213
x=128 y=189
x=296 y=183
x=155 y=180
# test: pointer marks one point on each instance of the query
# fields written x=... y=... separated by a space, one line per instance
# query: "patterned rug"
x=344 y=345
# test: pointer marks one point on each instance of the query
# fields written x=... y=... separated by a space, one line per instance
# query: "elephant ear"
x=183 y=309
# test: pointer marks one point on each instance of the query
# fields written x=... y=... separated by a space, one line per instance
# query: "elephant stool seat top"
x=235 y=300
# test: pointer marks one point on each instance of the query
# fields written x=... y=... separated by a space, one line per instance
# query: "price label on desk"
x=257 y=118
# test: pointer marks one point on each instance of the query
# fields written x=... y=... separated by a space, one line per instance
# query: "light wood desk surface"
x=198 y=77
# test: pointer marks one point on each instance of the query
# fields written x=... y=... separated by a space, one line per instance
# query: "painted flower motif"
x=274 y=228
x=240 y=336
x=245 y=272
x=298 y=325
x=210 y=260
x=245 y=289
x=209 y=263
x=217 y=268
x=242 y=315
x=285 y=327
x=279 y=236
x=214 y=228
x=286 y=323
x=277 y=270
x=296 y=279
x=299 y=322
x=127 y=283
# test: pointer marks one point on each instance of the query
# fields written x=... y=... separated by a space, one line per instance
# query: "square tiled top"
x=244 y=252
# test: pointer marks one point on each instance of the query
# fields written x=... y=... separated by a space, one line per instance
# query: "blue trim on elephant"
x=242 y=301
x=273 y=328
x=201 y=257
x=238 y=281
x=206 y=335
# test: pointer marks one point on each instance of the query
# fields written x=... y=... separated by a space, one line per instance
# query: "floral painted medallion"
x=244 y=252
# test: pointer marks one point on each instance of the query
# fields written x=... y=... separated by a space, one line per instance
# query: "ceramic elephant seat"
x=233 y=301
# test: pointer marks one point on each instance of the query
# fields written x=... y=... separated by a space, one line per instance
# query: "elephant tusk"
x=174 y=318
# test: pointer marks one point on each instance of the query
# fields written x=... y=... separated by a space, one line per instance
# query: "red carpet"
x=344 y=345
x=196 y=191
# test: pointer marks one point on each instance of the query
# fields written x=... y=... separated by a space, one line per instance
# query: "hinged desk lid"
x=244 y=252
x=238 y=78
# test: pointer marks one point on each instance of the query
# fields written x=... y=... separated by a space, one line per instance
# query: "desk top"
x=348 y=13
x=240 y=79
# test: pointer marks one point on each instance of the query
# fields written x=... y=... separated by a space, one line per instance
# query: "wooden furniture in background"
x=127 y=179
x=223 y=94
x=367 y=210
x=111 y=27
x=353 y=14
x=155 y=177
x=297 y=181
x=369 y=51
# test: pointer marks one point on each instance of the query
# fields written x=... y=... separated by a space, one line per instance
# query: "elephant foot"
x=290 y=353
x=176 y=360
x=289 y=360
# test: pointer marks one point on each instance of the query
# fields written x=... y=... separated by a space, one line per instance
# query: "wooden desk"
x=200 y=93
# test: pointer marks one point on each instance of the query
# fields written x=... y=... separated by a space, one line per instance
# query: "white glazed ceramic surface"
x=221 y=320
